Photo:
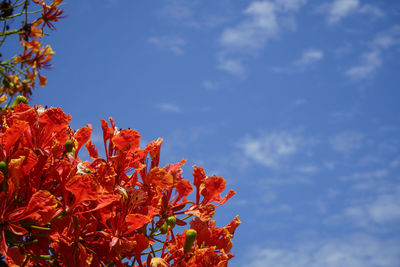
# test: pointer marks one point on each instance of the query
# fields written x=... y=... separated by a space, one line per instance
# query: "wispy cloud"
x=376 y=174
x=307 y=168
x=168 y=107
x=254 y=31
x=357 y=250
x=273 y=209
x=232 y=66
x=210 y=85
x=273 y=149
x=188 y=14
x=347 y=142
x=259 y=25
x=339 y=9
x=171 y=43
x=395 y=163
x=373 y=213
x=372 y=59
x=179 y=9
x=307 y=58
x=267 y=183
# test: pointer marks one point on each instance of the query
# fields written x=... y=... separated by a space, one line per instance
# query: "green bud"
x=4 y=168
x=164 y=228
x=191 y=236
x=69 y=145
x=18 y=100
x=171 y=221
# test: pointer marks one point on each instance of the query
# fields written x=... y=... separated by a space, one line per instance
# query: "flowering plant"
x=18 y=74
x=120 y=210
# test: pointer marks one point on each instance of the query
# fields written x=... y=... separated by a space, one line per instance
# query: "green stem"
x=10 y=32
x=40 y=257
x=40 y=228
x=152 y=250
x=21 y=13
x=186 y=217
x=152 y=237
x=156 y=250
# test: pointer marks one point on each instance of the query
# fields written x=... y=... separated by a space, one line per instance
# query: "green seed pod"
x=4 y=168
x=191 y=235
x=69 y=145
x=164 y=228
x=18 y=100
x=171 y=221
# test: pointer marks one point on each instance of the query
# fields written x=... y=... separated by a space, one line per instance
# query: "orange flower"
x=50 y=14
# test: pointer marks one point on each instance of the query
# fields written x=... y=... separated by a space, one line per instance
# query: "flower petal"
x=127 y=140
x=92 y=150
x=136 y=221
x=83 y=187
x=82 y=136
x=41 y=207
x=12 y=134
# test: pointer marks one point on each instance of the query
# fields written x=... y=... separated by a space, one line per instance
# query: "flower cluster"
x=120 y=210
x=19 y=74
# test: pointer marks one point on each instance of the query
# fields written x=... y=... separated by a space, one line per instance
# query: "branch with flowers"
x=29 y=21
x=120 y=210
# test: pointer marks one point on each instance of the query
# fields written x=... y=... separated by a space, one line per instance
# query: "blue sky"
x=294 y=102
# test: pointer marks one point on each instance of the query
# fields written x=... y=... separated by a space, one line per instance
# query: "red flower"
x=59 y=209
x=50 y=14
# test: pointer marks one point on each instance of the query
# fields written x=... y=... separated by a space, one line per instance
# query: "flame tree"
x=120 y=210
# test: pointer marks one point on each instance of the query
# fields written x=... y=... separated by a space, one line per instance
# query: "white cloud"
x=339 y=9
x=347 y=142
x=268 y=183
x=290 y=5
x=178 y=9
x=233 y=66
x=191 y=14
x=372 y=60
x=272 y=149
x=368 y=160
x=307 y=58
x=210 y=85
x=372 y=10
x=369 y=63
x=168 y=107
x=253 y=33
x=329 y=165
x=387 y=39
x=358 y=250
x=307 y=169
x=342 y=8
x=272 y=209
x=263 y=21
x=377 y=174
x=300 y=101
x=395 y=163
x=377 y=212
x=172 y=43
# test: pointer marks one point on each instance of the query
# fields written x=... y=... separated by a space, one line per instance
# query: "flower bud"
x=164 y=228
x=18 y=100
x=171 y=221
x=191 y=235
x=68 y=146
x=4 y=168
